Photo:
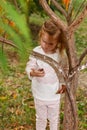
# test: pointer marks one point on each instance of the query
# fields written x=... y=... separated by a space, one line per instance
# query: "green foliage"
x=82 y=107
x=23 y=6
x=14 y=90
x=3 y=61
x=35 y=7
x=81 y=37
x=15 y=27
x=17 y=18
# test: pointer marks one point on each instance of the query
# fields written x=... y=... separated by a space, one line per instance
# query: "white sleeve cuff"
x=28 y=73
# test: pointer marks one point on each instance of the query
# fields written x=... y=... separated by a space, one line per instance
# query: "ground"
x=83 y=80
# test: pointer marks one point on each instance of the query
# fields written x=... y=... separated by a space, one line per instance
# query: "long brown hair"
x=52 y=29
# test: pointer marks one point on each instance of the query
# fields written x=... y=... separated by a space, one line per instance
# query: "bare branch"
x=78 y=67
x=58 y=6
x=77 y=22
x=52 y=15
x=82 y=56
x=83 y=67
x=8 y=42
x=70 y=7
x=69 y=12
x=79 y=9
x=16 y=5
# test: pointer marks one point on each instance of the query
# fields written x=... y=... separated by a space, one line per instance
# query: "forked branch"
x=77 y=22
x=52 y=15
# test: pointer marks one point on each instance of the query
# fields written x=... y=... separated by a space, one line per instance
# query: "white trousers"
x=47 y=110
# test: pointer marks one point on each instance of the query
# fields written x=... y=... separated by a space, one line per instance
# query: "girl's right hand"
x=37 y=73
x=61 y=90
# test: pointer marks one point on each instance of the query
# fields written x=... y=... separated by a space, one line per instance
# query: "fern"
x=18 y=18
x=14 y=25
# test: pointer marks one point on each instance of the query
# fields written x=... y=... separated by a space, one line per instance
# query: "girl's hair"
x=52 y=29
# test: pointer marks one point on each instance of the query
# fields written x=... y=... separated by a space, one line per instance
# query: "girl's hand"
x=37 y=73
x=61 y=90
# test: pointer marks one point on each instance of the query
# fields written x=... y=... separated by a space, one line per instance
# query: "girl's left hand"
x=61 y=90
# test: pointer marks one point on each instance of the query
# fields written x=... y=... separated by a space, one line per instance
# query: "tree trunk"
x=70 y=119
x=69 y=122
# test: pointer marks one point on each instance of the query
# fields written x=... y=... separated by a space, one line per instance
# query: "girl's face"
x=48 y=42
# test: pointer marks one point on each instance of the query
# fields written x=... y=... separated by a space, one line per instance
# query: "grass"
x=17 y=107
x=17 y=110
x=16 y=102
x=81 y=37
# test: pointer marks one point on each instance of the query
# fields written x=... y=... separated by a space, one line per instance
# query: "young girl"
x=45 y=83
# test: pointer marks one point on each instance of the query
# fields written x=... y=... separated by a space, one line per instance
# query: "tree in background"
x=68 y=18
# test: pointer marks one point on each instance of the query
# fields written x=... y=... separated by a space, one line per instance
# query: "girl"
x=45 y=84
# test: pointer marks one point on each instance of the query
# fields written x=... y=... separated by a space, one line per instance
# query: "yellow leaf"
x=14 y=95
x=3 y=98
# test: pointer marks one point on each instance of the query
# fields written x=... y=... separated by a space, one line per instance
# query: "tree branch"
x=83 y=67
x=79 y=19
x=8 y=42
x=69 y=12
x=16 y=5
x=52 y=15
x=79 y=9
x=82 y=56
x=57 y=5
x=78 y=67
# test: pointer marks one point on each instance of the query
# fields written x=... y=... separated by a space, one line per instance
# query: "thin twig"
x=79 y=19
x=8 y=42
x=82 y=56
x=16 y=5
x=82 y=4
x=59 y=7
x=69 y=12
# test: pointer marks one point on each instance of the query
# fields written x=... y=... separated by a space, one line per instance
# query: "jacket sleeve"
x=31 y=64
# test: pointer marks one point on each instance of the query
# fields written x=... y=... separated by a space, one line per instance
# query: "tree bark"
x=71 y=120
x=70 y=116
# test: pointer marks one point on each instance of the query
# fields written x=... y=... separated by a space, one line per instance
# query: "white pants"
x=47 y=110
